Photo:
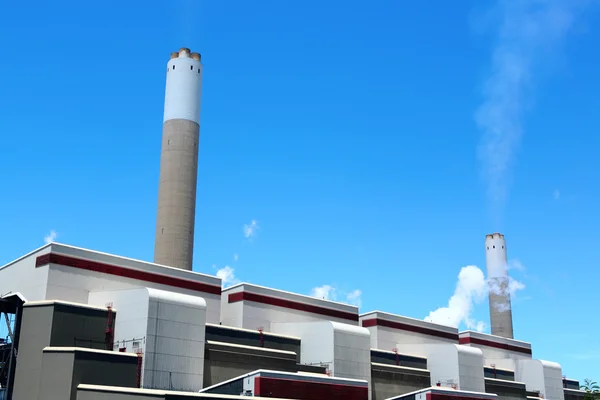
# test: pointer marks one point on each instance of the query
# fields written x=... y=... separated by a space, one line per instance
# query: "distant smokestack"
x=174 y=241
x=497 y=271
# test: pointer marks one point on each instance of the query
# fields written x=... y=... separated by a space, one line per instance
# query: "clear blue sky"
x=349 y=132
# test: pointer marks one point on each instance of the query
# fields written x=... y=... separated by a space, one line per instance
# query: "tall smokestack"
x=174 y=241
x=497 y=271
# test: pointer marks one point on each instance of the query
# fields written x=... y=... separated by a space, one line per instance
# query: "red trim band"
x=489 y=343
x=304 y=389
x=293 y=305
x=52 y=258
x=410 y=328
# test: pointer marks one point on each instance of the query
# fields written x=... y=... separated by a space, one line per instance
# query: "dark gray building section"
x=63 y=369
x=506 y=389
x=11 y=308
x=391 y=380
x=571 y=384
x=502 y=374
x=224 y=361
x=533 y=395
x=220 y=333
x=403 y=360
x=574 y=394
x=98 y=393
x=51 y=324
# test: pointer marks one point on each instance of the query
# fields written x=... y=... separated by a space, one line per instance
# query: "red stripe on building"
x=295 y=389
x=79 y=263
x=410 y=328
x=489 y=343
x=293 y=305
x=256 y=386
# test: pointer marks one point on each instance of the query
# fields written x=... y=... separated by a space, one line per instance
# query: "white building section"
x=60 y=272
x=453 y=365
x=344 y=349
x=388 y=330
x=169 y=329
x=184 y=87
x=541 y=376
x=496 y=347
x=253 y=307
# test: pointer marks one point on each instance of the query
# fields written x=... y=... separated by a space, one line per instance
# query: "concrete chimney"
x=174 y=240
x=497 y=271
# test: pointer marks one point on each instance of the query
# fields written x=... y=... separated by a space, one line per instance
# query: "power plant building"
x=86 y=325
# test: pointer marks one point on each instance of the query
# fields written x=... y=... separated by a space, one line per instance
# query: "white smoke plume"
x=329 y=292
x=527 y=35
x=471 y=289
x=50 y=237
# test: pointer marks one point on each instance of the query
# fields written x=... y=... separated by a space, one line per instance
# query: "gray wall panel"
x=386 y=384
x=506 y=390
x=79 y=327
x=35 y=335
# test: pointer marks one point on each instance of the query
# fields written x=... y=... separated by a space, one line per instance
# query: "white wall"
x=131 y=323
x=413 y=343
x=255 y=315
x=453 y=364
x=494 y=353
x=176 y=341
x=72 y=284
x=232 y=314
x=470 y=365
x=22 y=276
x=543 y=376
x=352 y=352
x=537 y=375
x=252 y=315
x=173 y=326
x=316 y=340
x=386 y=338
x=344 y=348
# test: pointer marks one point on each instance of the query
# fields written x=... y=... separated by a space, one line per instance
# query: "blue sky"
x=352 y=134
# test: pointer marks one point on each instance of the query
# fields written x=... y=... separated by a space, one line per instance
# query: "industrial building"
x=86 y=325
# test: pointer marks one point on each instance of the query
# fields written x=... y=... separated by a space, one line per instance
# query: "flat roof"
x=10 y=302
x=317 y=378
x=243 y=346
x=235 y=328
x=279 y=298
x=284 y=293
x=448 y=392
x=123 y=267
x=41 y=303
x=155 y=392
x=51 y=349
x=399 y=322
x=502 y=343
